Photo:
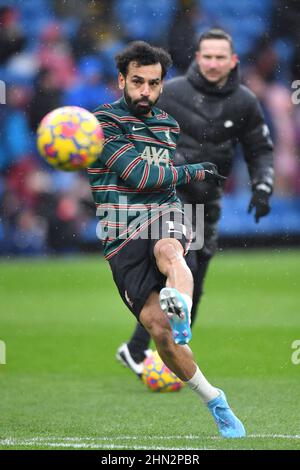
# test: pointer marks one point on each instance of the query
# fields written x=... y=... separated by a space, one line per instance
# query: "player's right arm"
x=120 y=156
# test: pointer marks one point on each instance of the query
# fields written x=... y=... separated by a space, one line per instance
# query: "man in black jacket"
x=214 y=112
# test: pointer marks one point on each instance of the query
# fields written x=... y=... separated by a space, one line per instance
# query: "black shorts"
x=134 y=267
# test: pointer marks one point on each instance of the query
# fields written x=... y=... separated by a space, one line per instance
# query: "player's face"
x=142 y=87
x=216 y=60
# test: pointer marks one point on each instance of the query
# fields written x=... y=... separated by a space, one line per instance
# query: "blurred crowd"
x=55 y=53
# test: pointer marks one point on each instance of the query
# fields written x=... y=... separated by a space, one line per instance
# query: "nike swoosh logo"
x=137 y=128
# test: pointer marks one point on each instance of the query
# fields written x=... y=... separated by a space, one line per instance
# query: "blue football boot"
x=174 y=306
x=228 y=424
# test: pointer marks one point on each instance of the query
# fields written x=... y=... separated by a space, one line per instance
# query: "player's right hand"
x=211 y=173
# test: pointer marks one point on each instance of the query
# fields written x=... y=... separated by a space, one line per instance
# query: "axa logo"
x=156 y=156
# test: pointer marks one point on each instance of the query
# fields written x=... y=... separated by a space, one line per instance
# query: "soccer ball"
x=70 y=138
x=157 y=377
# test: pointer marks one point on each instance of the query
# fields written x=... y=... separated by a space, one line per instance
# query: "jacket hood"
x=199 y=82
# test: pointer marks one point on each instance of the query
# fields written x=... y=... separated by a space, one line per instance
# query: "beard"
x=139 y=107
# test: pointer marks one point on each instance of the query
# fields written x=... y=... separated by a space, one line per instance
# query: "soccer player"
x=214 y=112
x=133 y=185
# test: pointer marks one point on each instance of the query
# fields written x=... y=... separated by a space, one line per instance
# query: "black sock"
x=139 y=341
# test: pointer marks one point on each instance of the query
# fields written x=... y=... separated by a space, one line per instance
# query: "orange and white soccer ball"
x=70 y=138
x=158 y=377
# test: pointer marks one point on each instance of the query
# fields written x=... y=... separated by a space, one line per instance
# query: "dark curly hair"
x=143 y=54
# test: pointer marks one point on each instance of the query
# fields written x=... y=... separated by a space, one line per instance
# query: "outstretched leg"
x=179 y=358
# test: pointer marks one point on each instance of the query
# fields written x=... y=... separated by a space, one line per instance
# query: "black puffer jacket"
x=212 y=121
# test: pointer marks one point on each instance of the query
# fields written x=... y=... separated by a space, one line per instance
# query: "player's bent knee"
x=161 y=335
x=163 y=339
x=167 y=250
x=160 y=331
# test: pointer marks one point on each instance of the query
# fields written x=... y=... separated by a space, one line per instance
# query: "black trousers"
x=198 y=264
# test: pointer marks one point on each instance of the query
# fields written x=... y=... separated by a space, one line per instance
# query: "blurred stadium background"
x=54 y=53
x=61 y=319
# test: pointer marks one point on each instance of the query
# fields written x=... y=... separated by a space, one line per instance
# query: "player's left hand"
x=260 y=201
x=211 y=173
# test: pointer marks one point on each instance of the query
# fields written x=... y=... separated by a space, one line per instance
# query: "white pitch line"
x=99 y=447
x=153 y=437
x=105 y=442
x=275 y=436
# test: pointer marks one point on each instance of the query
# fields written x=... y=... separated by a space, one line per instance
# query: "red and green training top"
x=134 y=175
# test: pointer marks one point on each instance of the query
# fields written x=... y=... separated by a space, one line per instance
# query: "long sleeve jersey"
x=134 y=176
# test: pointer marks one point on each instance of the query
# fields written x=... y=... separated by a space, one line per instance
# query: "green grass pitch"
x=61 y=387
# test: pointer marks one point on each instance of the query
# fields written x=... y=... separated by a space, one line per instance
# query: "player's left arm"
x=258 y=152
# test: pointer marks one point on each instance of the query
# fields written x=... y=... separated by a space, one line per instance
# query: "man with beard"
x=133 y=184
x=214 y=112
